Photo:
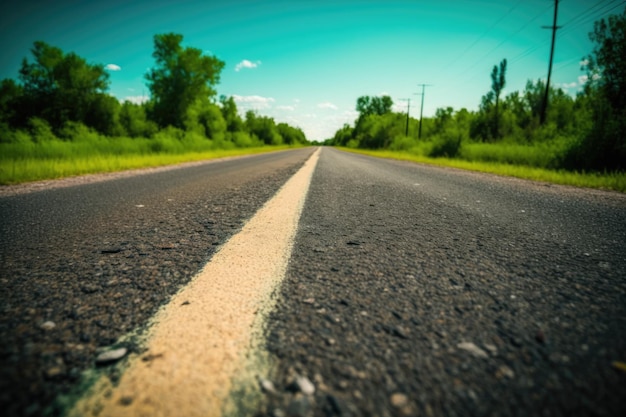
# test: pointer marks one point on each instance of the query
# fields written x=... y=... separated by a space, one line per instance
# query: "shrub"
x=402 y=143
x=447 y=144
x=40 y=130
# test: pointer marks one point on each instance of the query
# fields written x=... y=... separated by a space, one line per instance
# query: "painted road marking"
x=200 y=339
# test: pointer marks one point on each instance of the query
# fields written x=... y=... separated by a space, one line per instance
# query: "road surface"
x=410 y=290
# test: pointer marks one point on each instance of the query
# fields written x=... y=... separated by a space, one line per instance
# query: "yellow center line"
x=198 y=342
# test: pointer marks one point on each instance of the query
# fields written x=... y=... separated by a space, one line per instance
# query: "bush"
x=244 y=140
x=40 y=130
x=402 y=143
x=75 y=131
x=447 y=144
x=604 y=146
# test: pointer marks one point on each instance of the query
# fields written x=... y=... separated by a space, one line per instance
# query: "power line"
x=570 y=26
x=484 y=33
x=606 y=7
x=508 y=38
x=482 y=59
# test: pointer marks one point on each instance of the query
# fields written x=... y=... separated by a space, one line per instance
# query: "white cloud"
x=583 y=79
x=254 y=102
x=569 y=85
x=113 y=67
x=286 y=108
x=136 y=99
x=399 y=106
x=327 y=105
x=247 y=64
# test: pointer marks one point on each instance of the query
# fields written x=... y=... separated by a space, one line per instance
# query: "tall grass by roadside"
x=538 y=155
x=31 y=157
x=609 y=181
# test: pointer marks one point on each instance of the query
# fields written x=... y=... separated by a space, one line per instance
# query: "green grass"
x=26 y=161
x=607 y=181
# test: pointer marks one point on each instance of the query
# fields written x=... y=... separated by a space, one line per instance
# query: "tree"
x=103 y=115
x=10 y=95
x=205 y=118
x=342 y=136
x=367 y=105
x=180 y=77
x=60 y=87
x=231 y=115
x=498 y=81
x=607 y=63
x=291 y=135
x=263 y=128
x=604 y=147
x=133 y=119
x=481 y=125
x=443 y=117
x=377 y=131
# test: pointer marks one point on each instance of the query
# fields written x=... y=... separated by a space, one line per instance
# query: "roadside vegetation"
x=577 y=140
x=57 y=119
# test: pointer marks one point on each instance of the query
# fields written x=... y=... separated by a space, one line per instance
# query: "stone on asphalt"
x=48 y=325
x=111 y=356
x=473 y=349
x=305 y=385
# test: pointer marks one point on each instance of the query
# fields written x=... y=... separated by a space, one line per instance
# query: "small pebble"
x=491 y=348
x=305 y=385
x=505 y=372
x=399 y=400
x=54 y=372
x=473 y=349
x=111 y=355
x=49 y=325
x=267 y=386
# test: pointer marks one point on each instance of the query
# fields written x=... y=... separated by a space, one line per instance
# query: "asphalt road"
x=411 y=290
x=98 y=259
x=415 y=290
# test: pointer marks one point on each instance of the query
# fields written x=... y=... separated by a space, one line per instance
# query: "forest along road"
x=410 y=290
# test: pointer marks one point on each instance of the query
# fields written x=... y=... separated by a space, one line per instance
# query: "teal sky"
x=306 y=62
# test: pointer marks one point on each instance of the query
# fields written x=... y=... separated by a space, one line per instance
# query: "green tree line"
x=59 y=95
x=585 y=132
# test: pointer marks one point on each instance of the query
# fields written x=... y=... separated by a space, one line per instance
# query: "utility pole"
x=408 y=108
x=554 y=27
x=419 y=135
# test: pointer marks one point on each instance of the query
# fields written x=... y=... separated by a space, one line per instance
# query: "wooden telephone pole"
x=419 y=135
x=554 y=27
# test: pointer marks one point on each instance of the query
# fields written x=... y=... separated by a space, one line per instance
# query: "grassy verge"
x=24 y=168
x=607 y=181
